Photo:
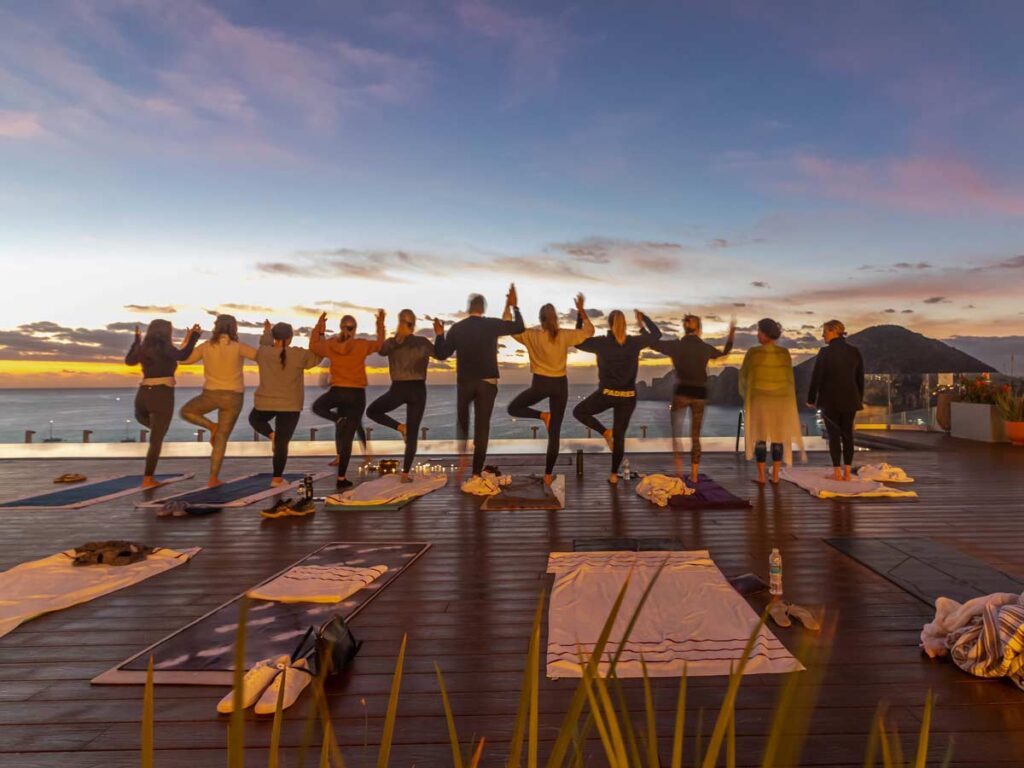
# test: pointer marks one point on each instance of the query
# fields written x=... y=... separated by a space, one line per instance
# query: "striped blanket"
x=984 y=636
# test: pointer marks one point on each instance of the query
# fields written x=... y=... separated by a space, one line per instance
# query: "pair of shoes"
x=262 y=684
x=173 y=508
x=290 y=508
x=782 y=610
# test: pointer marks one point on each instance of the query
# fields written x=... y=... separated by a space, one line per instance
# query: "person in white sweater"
x=223 y=389
x=548 y=348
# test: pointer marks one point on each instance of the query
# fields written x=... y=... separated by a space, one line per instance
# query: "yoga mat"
x=818 y=481
x=709 y=495
x=88 y=493
x=524 y=492
x=644 y=544
x=927 y=569
x=239 y=492
x=202 y=653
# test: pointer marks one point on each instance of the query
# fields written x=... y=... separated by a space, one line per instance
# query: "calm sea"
x=109 y=414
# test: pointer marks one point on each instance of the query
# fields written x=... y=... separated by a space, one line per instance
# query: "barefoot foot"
x=613 y=479
x=609 y=436
x=404 y=478
x=403 y=431
x=549 y=479
x=149 y=482
x=276 y=481
x=213 y=433
x=546 y=418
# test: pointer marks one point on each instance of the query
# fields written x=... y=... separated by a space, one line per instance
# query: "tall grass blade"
x=926 y=727
x=598 y=717
x=453 y=735
x=730 y=741
x=389 y=719
x=533 y=662
x=874 y=738
x=479 y=753
x=273 y=759
x=526 y=691
x=627 y=722
x=652 y=724
x=612 y=721
x=147 y=718
x=236 y=728
x=679 y=731
x=947 y=759
x=724 y=713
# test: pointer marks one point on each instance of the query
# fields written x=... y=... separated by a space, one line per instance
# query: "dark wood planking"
x=468 y=604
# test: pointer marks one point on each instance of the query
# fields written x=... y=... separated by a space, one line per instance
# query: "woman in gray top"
x=408 y=356
x=281 y=391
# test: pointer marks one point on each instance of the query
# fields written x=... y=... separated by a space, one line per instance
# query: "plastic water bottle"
x=775 y=572
x=625 y=469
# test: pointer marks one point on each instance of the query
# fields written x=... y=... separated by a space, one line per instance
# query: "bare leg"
x=776 y=466
x=760 y=473
x=837 y=473
x=694 y=472
x=848 y=473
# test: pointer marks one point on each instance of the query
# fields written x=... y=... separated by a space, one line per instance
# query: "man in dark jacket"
x=474 y=342
x=837 y=390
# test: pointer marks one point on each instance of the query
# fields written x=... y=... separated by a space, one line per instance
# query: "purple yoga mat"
x=709 y=495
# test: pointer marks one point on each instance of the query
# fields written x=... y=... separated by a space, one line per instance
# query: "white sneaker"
x=260 y=675
x=295 y=681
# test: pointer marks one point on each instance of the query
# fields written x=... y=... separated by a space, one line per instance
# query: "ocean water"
x=109 y=414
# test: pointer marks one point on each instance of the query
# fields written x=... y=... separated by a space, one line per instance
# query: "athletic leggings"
x=480 y=394
x=556 y=390
x=228 y=405
x=599 y=402
x=411 y=394
x=344 y=406
x=839 y=426
x=761 y=452
x=154 y=409
x=680 y=403
x=285 y=423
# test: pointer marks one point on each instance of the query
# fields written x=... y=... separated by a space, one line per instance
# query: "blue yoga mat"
x=232 y=492
x=83 y=492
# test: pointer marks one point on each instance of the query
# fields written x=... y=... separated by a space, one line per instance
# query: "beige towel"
x=658 y=489
x=317 y=583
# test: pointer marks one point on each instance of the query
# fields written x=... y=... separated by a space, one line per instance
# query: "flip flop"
x=777 y=610
x=803 y=615
x=70 y=477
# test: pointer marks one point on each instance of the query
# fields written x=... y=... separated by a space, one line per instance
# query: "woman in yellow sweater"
x=548 y=347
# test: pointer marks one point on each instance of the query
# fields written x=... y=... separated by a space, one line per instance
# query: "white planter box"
x=976 y=421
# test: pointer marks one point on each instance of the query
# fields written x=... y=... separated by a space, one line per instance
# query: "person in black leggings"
x=837 y=389
x=618 y=360
x=474 y=342
x=548 y=348
x=281 y=392
x=154 y=402
x=408 y=357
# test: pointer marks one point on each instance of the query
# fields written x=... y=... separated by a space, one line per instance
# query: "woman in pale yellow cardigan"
x=769 y=401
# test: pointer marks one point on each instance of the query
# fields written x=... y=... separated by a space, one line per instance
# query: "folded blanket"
x=316 y=583
x=55 y=582
x=486 y=484
x=984 y=636
x=822 y=484
x=883 y=473
x=388 y=489
x=658 y=489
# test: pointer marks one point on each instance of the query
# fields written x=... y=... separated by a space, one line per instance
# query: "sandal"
x=70 y=477
x=777 y=610
x=803 y=615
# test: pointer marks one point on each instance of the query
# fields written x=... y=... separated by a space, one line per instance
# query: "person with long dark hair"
x=690 y=356
x=837 y=390
x=548 y=350
x=281 y=391
x=344 y=403
x=768 y=388
x=154 y=402
x=618 y=361
x=223 y=358
x=408 y=357
x=474 y=342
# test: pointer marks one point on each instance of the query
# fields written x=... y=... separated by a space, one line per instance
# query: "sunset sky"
x=799 y=160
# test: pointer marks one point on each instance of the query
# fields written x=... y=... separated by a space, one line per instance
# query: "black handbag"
x=329 y=648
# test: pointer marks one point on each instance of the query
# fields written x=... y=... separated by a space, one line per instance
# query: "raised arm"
x=187 y=352
x=512 y=327
x=318 y=338
x=132 y=358
x=266 y=340
x=648 y=327
x=381 y=332
x=581 y=312
x=443 y=347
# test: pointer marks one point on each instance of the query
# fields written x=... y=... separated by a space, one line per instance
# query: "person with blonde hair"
x=408 y=357
x=837 y=390
x=548 y=350
x=223 y=358
x=618 y=361
x=154 y=402
x=768 y=388
x=690 y=356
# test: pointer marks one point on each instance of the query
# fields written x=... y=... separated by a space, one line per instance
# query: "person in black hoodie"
x=837 y=389
x=618 y=360
x=154 y=402
x=690 y=356
x=474 y=342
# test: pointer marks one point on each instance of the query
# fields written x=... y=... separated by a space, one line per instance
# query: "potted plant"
x=1010 y=406
x=973 y=415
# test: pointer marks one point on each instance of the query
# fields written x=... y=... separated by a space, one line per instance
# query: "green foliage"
x=1009 y=404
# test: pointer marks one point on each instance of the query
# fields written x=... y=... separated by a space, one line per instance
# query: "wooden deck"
x=468 y=603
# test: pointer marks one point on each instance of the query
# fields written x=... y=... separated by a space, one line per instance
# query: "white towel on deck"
x=388 y=489
x=658 y=489
x=53 y=583
x=317 y=583
x=486 y=484
x=822 y=484
x=692 y=616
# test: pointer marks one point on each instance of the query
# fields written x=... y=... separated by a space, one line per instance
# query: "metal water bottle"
x=579 y=462
x=625 y=469
x=775 y=572
x=307 y=487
